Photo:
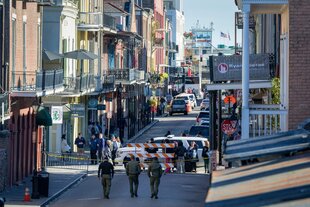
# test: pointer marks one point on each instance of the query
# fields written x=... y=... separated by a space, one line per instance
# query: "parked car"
x=205 y=103
x=195 y=129
x=178 y=106
x=203 y=116
x=200 y=141
x=187 y=98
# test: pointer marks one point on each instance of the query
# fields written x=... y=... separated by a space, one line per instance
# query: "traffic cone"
x=27 y=195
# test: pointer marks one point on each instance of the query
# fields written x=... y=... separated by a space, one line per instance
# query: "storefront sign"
x=57 y=114
x=77 y=110
x=229 y=68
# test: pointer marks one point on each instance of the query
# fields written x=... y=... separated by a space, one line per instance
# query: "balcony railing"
x=78 y=84
x=109 y=21
x=108 y=83
x=266 y=120
x=90 y=20
x=122 y=75
x=139 y=75
x=36 y=81
x=4 y=98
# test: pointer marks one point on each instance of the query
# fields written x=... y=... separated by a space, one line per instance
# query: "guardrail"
x=266 y=119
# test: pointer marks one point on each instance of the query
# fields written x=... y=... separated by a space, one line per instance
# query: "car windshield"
x=196 y=129
x=182 y=97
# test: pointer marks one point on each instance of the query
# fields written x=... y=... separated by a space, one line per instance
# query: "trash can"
x=43 y=183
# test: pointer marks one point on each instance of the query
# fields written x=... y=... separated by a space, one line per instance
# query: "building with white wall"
x=175 y=14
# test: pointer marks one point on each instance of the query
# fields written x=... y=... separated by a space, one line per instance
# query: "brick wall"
x=299 y=62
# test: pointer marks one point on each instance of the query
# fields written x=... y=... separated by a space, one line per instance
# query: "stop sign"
x=229 y=126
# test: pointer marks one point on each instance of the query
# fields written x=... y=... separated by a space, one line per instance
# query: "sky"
x=220 y=12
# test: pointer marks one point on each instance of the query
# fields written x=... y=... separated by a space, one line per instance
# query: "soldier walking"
x=154 y=172
x=133 y=171
x=106 y=172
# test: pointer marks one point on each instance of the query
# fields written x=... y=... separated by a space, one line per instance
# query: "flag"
x=223 y=35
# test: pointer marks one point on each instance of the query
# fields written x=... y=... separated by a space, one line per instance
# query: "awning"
x=43 y=117
x=233 y=86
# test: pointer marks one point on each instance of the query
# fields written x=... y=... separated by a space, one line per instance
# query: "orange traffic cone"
x=27 y=195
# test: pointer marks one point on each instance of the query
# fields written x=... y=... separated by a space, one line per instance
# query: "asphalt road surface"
x=175 y=190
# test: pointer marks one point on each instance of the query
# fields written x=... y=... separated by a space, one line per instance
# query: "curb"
x=56 y=195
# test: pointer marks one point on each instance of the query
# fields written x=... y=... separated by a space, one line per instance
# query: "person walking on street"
x=154 y=172
x=93 y=145
x=133 y=171
x=106 y=172
x=80 y=144
x=101 y=145
x=180 y=152
x=205 y=155
x=114 y=149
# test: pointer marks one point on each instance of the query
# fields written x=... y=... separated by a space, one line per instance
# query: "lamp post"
x=35 y=179
x=120 y=111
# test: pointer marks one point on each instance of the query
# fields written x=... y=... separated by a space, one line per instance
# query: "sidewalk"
x=59 y=181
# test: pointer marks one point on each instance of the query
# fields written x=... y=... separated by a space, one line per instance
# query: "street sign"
x=229 y=126
x=101 y=107
x=229 y=99
x=57 y=114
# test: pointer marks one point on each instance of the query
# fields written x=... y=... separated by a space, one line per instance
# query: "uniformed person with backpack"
x=106 y=172
x=154 y=172
x=133 y=171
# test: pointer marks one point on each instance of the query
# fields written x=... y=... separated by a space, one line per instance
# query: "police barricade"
x=166 y=159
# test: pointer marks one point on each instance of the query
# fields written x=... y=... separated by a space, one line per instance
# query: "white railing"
x=266 y=119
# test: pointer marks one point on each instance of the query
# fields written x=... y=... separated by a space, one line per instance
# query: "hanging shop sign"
x=77 y=110
x=229 y=68
x=57 y=114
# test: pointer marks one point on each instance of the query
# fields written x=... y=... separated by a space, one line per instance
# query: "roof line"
x=123 y=11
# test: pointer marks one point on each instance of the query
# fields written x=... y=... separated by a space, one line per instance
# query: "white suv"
x=200 y=141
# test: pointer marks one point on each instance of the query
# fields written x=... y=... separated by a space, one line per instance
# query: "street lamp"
x=120 y=111
x=35 y=178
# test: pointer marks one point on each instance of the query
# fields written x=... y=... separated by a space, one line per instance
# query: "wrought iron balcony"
x=94 y=21
x=36 y=83
x=109 y=21
x=139 y=75
x=108 y=83
x=126 y=76
x=90 y=21
x=77 y=85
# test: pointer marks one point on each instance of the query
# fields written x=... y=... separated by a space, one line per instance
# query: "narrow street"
x=175 y=189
